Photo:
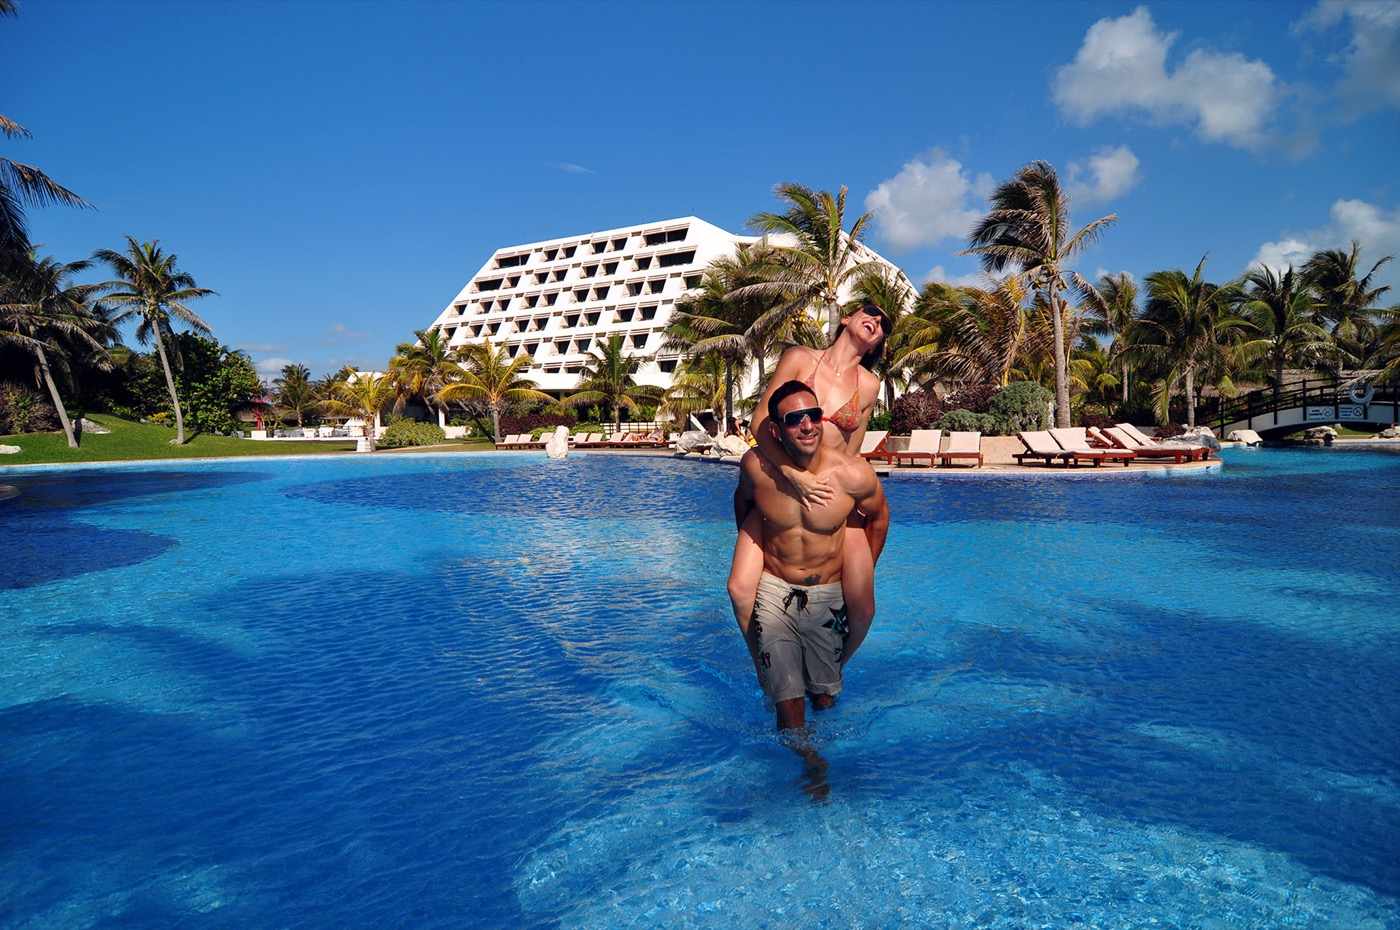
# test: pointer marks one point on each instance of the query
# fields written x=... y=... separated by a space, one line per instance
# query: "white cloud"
x=929 y=200
x=973 y=279
x=569 y=167
x=1122 y=67
x=1377 y=229
x=271 y=367
x=1100 y=271
x=1109 y=173
x=340 y=333
x=1371 y=61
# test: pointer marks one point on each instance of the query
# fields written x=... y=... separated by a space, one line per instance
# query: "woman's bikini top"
x=847 y=416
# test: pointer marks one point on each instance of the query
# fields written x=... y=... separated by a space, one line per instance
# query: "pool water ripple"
x=497 y=691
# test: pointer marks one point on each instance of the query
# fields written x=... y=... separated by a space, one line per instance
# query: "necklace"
x=838 y=372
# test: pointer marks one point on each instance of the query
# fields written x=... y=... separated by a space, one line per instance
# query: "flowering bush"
x=25 y=411
x=974 y=397
x=915 y=410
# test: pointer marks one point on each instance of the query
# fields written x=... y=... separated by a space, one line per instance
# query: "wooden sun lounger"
x=1139 y=442
x=923 y=444
x=1040 y=445
x=1122 y=440
x=510 y=442
x=589 y=441
x=875 y=446
x=1075 y=441
x=963 y=446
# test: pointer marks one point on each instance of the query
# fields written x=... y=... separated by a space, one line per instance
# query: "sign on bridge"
x=1328 y=413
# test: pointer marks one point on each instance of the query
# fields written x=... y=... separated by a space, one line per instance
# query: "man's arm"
x=743 y=491
x=869 y=496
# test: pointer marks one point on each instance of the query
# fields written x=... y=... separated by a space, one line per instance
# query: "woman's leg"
x=744 y=573
x=858 y=587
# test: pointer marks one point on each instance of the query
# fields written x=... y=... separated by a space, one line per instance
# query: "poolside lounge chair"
x=625 y=441
x=589 y=441
x=1121 y=440
x=1139 y=442
x=875 y=446
x=1075 y=441
x=1040 y=445
x=923 y=444
x=963 y=446
x=510 y=442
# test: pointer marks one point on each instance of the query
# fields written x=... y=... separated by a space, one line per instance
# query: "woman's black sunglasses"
x=793 y=418
x=873 y=310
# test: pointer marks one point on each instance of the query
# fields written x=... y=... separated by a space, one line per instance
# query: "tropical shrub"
x=404 y=432
x=586 y=428
x=1022 y=405
x=880 y=420
x=529 y=422
x=974 y=397
x=959 y=421
x=914 y=410
x=25 y=411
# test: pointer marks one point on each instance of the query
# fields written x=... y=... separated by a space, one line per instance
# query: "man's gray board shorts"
x=801 y=636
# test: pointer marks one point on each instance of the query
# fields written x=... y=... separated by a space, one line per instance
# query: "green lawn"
x=128 y=440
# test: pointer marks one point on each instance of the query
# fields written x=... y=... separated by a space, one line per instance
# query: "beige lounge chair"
x=1141 y=442
x=963 y=446
x=923 y=444
x=1075 y=441
x=1040 y=445
x=875 y=446
x=1121 y=440
x=510 y=442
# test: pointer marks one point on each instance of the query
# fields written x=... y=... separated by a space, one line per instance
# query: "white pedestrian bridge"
x=1320 y=402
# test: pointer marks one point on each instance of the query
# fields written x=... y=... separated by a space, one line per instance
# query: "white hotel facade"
x=556 y=300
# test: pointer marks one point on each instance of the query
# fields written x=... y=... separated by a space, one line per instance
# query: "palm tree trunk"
x=496 y=423
x=1125 y=384
x=57 y=401
x=833 y=319
x=1191 y=396
x=170 y=385
x=889 y=391
x=1061 y=368
x=728 y=392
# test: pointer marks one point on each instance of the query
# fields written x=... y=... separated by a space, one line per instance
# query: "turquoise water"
x=495 y=691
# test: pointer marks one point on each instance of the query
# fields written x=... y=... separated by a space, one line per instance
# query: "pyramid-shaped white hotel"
x=556 y=300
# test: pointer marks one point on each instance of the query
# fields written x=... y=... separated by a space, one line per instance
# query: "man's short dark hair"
x=784 y=391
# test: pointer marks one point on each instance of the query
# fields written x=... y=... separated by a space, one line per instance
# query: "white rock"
x=1200 y=436
x=733 y=445
x=10 y=450
x=97 y=429
x=694 y=440
x=557 y=446
x=1391 y=432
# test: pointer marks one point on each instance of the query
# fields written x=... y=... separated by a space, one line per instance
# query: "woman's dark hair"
x=869 y=360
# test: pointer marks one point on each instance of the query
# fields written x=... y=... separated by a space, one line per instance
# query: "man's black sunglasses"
x=876 y=311
x=793 y=418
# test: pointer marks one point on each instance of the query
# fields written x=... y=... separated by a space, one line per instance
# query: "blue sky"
x=337 y=171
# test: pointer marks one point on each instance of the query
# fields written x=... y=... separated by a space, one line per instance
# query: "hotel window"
x=568 y=251
x=581 y=295
x=634 y=288
x=541 y=277
x=549 y=254
x=692 y=280
x=512 y=261
x=601 y=293
x=657 y=286
x=625 y=315
x=648 y=313
x=593 y=319
x=583 y=345
x=532 y=301
x=492 y=284
x=550 y=299
x=610 y=268
x=619 y=244
x=667 y=365
x=675 y=258
x=562 y=347
x=598 y=247
x=589 y=270
x=661 y=238
x=573 y=369
x=639 y=340
x=560 y=273
x=495 y=328
x=643 y=263
x=570 y=321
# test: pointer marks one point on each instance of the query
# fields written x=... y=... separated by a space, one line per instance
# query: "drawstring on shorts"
x=801 y=597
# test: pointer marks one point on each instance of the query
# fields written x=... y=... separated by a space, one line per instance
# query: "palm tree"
x=364 y=396
x=1028 y=230
x=422 y=368
x=700 y=383
x=39 y=308
x=967 y=335
x=824 y=261
x=892 y=293
x=1281 y=309
x=607 y=378
x=1110 y=311
x=151 y=290
x=22 y=185
x=294 y=392
x=1091 y=373
x=488 y=375
x=1186 y=330
x=1343 y=298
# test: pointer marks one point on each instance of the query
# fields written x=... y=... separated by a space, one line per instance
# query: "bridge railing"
x=1310 y=392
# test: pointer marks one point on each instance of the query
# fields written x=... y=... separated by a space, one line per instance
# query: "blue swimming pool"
x=494 y=691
